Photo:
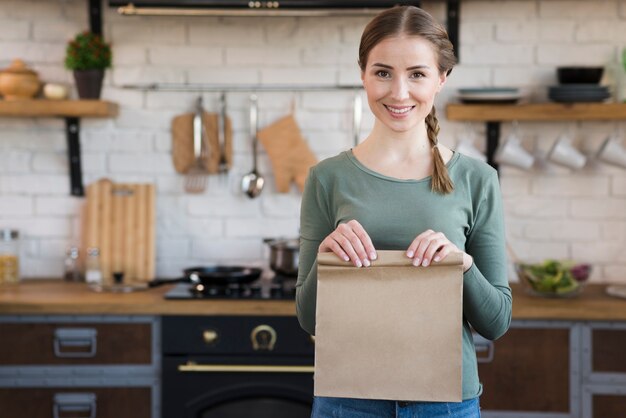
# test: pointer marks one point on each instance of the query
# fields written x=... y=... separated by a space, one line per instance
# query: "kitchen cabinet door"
x=529 y=372
x=608 y=355
x=101 y=402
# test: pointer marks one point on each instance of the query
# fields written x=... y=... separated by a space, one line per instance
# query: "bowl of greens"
x=553 y=278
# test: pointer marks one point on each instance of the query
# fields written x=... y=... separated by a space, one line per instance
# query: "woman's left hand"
x=432 y=246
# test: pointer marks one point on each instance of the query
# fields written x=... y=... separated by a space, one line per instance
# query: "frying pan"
x=214 y=276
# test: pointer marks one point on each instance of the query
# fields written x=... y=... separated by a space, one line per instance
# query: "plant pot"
x=89 y=83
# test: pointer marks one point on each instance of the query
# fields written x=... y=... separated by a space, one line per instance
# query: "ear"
x=443 y=77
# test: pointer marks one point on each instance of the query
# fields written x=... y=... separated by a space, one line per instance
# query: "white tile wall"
x=550 y=212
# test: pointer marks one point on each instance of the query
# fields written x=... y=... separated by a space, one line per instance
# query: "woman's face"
x=401 y=79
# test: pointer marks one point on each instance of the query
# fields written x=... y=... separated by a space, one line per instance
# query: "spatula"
x=196 y=179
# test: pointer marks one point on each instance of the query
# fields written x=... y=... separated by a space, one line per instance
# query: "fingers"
x=429 y=246
x=350 y=242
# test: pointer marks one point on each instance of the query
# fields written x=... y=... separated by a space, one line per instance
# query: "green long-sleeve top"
x=393 y=212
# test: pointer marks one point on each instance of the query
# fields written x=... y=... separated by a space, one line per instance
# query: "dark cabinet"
x=79 y=366
x=529 y=371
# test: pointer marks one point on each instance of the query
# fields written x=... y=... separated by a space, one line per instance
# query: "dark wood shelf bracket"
x=72 y=130
x=452 y=11
x=493 y=139
x=72 y=124
x=95 y=16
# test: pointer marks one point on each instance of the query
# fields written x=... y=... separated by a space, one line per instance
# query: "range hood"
x=254 y=7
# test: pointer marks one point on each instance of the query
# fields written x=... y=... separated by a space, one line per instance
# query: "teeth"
x=399 y=111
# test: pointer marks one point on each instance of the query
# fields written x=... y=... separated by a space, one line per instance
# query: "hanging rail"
x=237 y=88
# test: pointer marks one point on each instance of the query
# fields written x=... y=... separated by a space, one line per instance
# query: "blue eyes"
x=385 y=74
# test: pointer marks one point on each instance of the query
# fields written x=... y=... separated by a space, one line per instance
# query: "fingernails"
x=416 y=262
x=373 y=256
x=346 y=258
x=436 y=259
x=425 y=263
x=410 y=254
x=366 y=262
x=358 y=263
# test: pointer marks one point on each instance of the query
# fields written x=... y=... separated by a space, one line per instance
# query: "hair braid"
x=440 y=182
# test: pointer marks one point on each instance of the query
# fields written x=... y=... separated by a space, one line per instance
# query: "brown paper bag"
x=389 y=331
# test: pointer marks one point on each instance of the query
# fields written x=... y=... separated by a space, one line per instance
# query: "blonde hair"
x=413 y=21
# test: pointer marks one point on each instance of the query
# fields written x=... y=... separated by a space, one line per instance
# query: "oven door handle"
x=238 y=368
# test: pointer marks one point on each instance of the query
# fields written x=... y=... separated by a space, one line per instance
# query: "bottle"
x=71 y=267
x=93 y=273
x=9 y=256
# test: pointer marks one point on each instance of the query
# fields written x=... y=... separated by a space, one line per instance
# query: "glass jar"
x=71 y=265
x=9 y=256
x=93 y=273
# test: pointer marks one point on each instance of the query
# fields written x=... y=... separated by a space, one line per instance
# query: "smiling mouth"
x=399 y=110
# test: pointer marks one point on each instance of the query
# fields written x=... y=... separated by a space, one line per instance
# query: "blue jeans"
x=324 y=407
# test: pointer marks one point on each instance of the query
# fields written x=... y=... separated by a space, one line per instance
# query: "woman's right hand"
x=351 y=243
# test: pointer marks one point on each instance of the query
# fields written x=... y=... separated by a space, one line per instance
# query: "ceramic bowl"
x=18 y=82
x=579 y=75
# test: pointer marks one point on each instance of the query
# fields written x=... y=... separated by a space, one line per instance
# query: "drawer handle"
x=73 y=338
x=73 y=403
x=481 y=344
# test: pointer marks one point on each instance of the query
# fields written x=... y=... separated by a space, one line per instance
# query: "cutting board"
x=120 y=221
x=182 y=142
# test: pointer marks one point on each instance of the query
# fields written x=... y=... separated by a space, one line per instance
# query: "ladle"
x=252 y=183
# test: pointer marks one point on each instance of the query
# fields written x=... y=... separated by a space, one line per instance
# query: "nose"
x=400 y=89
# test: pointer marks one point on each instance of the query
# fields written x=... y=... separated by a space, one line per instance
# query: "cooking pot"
x=284 y=255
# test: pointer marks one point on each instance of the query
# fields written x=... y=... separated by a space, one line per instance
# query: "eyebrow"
x=415 y=67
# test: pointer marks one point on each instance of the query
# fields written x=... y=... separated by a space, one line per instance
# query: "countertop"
x=42 y=297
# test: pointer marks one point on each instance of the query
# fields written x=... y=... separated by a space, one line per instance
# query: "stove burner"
x=272 y=288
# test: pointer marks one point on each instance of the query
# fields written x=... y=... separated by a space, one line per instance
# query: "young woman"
x=401 y=190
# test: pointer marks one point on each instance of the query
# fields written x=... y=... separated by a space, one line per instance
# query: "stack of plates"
x=571 y=93
x=493 y=95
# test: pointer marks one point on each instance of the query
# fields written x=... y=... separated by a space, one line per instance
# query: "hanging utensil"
x=252 y=183
x=197 y=175
x=357 y=113
x=221 y=137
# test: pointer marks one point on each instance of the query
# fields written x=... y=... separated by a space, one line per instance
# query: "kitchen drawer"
x=102 y=402
x=75 y=343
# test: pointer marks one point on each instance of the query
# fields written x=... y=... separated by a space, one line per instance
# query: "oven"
x=236 y=367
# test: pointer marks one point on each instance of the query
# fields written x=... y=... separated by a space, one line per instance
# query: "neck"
x=398 y=146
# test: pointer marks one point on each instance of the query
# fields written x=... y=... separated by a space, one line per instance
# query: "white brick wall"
x=550 y=212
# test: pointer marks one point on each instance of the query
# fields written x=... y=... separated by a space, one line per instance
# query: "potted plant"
x=88 y=56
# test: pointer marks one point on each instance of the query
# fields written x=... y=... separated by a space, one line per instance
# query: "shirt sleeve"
x=315 y=225
x=487 y=300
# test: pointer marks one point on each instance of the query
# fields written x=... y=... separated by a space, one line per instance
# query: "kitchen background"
x=550 y=211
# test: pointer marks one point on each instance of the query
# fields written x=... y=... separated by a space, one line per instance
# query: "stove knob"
x=210 y=336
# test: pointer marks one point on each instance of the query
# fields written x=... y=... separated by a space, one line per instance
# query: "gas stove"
x=269 y=287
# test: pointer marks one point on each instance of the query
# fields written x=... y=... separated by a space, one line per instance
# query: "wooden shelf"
x=536 y=112
x=58 y=108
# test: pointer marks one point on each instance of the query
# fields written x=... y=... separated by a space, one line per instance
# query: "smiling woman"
x=400 y=189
